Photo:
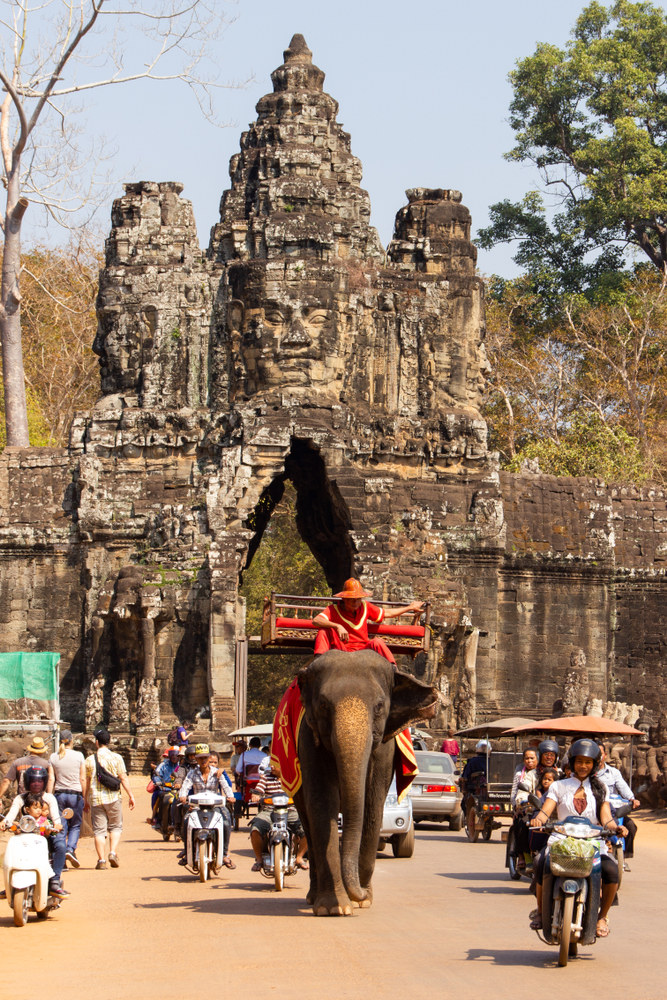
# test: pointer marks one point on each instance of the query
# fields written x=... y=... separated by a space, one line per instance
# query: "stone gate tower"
x=295 y=347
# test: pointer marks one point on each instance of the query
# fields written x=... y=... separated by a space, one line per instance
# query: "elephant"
x=355 y=703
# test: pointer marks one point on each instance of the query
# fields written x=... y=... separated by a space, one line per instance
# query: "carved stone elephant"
x=355 y=703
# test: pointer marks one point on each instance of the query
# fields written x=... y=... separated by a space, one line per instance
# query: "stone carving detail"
x=95 y=703
x=148 y=706
x=576 y=688
x=119 y=710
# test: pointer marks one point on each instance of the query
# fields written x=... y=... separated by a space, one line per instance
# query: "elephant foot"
x=329 y=905
x=311 y=897
x=364 y=904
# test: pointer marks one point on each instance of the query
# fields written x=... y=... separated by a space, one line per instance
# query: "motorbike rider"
x=585 y=795
x=547 y=756
x=260 y=828
x=619 y=792
x=187 y=761
x=204 y=777
x=35 y=780
x=163 y=779
x=476 y=764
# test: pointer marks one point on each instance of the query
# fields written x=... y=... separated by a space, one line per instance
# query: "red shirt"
x=356 y=624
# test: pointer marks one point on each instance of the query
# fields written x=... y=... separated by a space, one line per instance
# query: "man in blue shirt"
x=619 y=793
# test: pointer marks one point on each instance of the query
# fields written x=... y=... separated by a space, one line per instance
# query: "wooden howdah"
x=288 y=621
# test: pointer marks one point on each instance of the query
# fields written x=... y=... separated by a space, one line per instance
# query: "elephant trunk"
x=351 y=743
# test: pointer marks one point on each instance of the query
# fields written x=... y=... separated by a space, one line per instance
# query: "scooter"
x=571 y=885
x=281 y=859
x=205 y=834
x=27 y=871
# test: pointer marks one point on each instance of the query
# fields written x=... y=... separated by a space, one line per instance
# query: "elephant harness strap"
x=284 y=756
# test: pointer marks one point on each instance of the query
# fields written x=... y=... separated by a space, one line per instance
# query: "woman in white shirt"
x=583 y=794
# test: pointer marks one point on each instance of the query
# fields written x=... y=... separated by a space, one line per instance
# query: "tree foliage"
x=593 y=119
x=59 y=286
x=283 y=562
x=583 y=390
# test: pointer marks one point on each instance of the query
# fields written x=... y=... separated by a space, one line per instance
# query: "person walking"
x=105 y=802
x=69 y=777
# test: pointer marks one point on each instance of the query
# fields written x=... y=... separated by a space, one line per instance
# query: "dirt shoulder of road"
x=651 y=826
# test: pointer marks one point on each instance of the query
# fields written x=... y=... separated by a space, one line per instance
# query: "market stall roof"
x=265 y=730
x=496 y=727
x=591 y=724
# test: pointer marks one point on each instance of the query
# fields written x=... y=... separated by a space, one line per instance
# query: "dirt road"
x=447 y=921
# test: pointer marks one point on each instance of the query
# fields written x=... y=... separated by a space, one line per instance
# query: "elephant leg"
x=299 y=802
x=321 y=804
x=377 y=786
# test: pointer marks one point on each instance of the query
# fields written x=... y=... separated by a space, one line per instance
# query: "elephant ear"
x=411 y=701
x=305 y=679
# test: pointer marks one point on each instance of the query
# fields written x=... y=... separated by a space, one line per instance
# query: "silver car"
x=435 y=792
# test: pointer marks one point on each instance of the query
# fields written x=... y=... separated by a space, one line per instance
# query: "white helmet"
x=484 y=745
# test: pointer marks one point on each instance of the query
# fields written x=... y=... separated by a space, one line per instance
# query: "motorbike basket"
x=571 y=866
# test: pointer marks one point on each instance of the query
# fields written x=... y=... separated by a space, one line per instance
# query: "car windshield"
x=434 y=763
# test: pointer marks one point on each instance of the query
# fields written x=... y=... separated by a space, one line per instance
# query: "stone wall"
x=294 y=347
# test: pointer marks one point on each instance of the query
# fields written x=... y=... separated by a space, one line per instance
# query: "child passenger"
x=549 y=775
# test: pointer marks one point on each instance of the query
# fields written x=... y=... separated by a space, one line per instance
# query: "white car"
x=397 y=826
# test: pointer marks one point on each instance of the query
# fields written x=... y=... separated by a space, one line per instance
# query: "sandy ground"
x=448 y=920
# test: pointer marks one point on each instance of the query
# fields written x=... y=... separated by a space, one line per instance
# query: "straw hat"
x=37 y=746
x=353 y=590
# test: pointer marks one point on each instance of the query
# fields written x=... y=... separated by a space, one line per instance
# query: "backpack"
x=106 y=778
x=173 y=738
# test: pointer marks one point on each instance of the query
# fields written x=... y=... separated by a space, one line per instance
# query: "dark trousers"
x=57 y=850
x=71 y=827
x=631 y=827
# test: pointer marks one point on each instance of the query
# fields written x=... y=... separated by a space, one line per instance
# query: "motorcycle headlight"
x=280 y=800
x=27 y=824
x=202 y=835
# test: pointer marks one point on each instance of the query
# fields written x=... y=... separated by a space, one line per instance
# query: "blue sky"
x=422 y=89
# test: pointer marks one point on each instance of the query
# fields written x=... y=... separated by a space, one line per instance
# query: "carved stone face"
x=282 y=334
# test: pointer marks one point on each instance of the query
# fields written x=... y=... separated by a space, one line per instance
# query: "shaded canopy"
x=592 y=725
x=496 y=727
x=265 y=730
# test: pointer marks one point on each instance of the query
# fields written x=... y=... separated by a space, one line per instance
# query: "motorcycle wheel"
x=472 y=830
x=278 y=867
x=620 y=859
x=487 y=830
x=20 y=908
x=565 y=931
x=203 y=865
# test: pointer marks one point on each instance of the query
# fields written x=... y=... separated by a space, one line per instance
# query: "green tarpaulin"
x=29 y=675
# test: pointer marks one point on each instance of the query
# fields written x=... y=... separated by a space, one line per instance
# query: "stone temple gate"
x=296 y=347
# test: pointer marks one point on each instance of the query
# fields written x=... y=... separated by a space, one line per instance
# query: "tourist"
x=240 y=746
x=450 y=745
x=105 y=803
x=69 y=770
x=35 y=757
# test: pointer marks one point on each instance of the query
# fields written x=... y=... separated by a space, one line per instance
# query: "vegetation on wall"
x=283 y=562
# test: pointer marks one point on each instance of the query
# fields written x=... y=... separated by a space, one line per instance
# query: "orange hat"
x=352 y=589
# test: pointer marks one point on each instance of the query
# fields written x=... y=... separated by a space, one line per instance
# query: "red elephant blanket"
x=285 y=760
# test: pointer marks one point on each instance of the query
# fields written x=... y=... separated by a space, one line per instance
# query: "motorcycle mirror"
x=67 y=813
x=523 y=786
x=534 y=801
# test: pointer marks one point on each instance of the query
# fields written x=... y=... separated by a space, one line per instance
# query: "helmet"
x=172 y=753
x=202 y=750
x=548 y=746
x=483 y=745
x=190 y=751
x=35 y=774
x=586 y=748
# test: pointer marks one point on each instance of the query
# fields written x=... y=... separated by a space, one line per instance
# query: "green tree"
x=283 y=562
x=593 y=119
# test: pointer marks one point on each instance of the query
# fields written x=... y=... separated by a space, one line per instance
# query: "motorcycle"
x=205 y=834
x=281 y=859
x=168 y=795
x=571 y=885
x=27 y=871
